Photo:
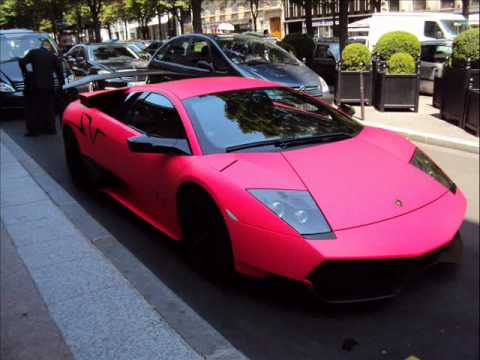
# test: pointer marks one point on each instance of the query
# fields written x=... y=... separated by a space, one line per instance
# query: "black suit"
x=39 y=89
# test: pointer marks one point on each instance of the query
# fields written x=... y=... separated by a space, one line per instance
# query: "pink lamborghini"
x=259 y=179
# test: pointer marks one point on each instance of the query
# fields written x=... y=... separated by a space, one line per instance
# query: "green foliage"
x=401 y=63
x=356 y=57
x=467 y=46
x=302 y=45
x=397 y=41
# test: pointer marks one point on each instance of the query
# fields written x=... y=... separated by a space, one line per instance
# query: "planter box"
x=472 y=113
x=396 y=91
x=348 y=87
x=437 y=92
x=455 y=87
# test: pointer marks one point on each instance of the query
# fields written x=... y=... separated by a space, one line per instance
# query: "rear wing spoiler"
x=119 y=74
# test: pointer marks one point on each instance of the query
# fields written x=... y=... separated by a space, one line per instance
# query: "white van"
x=424 y=25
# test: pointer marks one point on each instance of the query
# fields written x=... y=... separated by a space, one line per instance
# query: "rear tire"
x=83 y=171
x=205 y=236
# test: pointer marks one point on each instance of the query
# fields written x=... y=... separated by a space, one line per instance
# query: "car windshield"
x=232 y=119
x=112 y=53
x=251 y=50
x=454 y=27
x=14 y=46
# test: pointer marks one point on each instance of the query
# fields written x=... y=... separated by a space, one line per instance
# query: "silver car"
x=434 y=56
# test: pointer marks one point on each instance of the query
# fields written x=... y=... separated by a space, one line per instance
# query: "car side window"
x=219 y=62
x=156 y=116
x=199 y=51
x=433 y=30
x=175 y=52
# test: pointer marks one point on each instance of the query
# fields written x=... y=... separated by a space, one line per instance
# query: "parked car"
x=14 y=45
x=197 y=55
x=154 y=46
x=424 y=25
x=325 y=58
x=433 y=58
x=259 y=179
x=137 y=47
x=98 y=58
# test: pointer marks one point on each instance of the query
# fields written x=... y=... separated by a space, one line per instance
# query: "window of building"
x=394 y=5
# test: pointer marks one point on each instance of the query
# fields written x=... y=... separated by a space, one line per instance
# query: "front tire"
x=205 y=236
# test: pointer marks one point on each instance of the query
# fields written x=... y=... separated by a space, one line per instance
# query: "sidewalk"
x=425 y=126
x=61 y=297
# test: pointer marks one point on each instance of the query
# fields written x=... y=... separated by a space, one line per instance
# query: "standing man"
x=39 y=89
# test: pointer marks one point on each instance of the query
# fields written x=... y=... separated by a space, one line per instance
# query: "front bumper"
x=405 y=239
x=353 y=281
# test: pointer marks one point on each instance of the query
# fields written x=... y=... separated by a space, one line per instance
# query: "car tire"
x=83 y=171
x=205 y=236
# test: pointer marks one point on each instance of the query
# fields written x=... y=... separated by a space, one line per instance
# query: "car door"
x=182 y=58
x=149 y=180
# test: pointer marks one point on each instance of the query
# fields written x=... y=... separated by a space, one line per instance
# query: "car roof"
x=187 y=88
x=16 y=31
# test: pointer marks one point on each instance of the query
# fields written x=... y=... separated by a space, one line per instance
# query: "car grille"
x=312 y=90
x=19 y=85
x=357 y=280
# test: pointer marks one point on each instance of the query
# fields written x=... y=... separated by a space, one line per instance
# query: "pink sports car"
x=259 y=179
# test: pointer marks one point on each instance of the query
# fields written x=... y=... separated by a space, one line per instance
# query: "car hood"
x=355 y=182
x=123 y=65
x=288 y=75
x=11 y=70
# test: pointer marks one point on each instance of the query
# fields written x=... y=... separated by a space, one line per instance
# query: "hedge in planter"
x=356 y=61
x=397 y=83
x=302 y=45
x=397 y=42
x=462 y=75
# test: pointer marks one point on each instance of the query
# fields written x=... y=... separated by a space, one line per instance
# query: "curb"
x=182 y=319
x=426 y=138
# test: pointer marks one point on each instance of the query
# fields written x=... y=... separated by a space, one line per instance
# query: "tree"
x=343 y=23
x=110 y=14
x=95 y=7
x=375 y=5
x=466 y=8
x=197 y=15
x=142 y=11
x=254 y=12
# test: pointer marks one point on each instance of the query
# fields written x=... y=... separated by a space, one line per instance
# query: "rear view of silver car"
x=433 y=58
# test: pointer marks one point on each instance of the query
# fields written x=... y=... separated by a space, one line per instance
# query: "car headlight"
x=6 y=88
x=324 y=85
x=421 y=161
x=296 y=208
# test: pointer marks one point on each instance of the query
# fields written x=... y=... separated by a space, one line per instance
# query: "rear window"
x=14 y=46
x=112 y=53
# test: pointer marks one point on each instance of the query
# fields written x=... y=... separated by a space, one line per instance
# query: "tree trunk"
x=96 y=26
x=465 y=8
x=109 y=29
x=343 y=22
x=196 y=16
x=308 y=17
x=333 y=7
x=125 y=23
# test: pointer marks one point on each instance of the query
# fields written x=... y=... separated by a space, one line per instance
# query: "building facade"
x=326 y=12
x=238 y=13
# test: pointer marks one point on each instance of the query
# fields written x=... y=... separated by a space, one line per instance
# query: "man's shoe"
x=30 y=134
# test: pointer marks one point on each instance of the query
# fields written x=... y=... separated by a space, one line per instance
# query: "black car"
x=433 y=58
x=197 y=55
x=154 y=46
x=88 y=59
x=325 y=58
x=14 y=45
x=103 y=58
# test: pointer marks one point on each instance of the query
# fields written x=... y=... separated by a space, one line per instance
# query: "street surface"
x=436 y=317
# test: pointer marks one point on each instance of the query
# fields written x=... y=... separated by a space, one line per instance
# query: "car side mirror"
x=202 y=64
x=347 y=109
x=155 y=145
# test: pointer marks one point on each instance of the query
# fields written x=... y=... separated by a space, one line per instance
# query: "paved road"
x=435 y=318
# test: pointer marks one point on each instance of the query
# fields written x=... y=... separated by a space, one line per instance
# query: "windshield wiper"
x=289 y=142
